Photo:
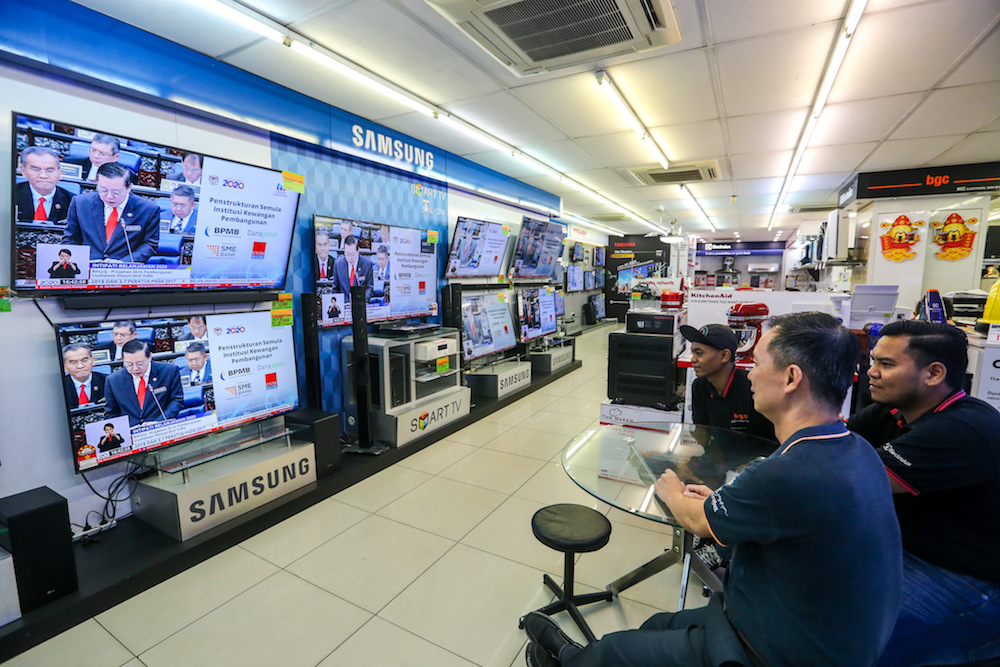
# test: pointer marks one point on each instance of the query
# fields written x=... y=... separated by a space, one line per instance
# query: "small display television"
x=396 y=265
x=139 y=385
x=589 y=280
x=600 y=278
x=574 y=278
x=599 y=255
x=558 y=274
x=539 y=246
x=478 y=249
x=536 y=310
x=597 y=301
x=578 y=253
x=487 y=326
x=560 y=302
x=179 y=220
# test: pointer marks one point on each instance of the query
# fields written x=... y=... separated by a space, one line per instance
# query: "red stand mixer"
x=747 y=320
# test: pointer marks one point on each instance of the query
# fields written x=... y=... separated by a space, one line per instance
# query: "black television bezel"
x=56 y=326
x=520 y=296
x=319 y=321
x=503 y=349
x=232 y=294
x=454 y=240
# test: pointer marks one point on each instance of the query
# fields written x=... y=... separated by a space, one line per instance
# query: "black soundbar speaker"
x=323 y=430
x=39 y=536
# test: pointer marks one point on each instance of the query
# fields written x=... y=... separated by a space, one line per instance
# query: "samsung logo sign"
x=377 y=142
x=517 y=378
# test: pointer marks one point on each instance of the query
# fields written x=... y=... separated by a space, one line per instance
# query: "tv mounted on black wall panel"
x=95 y=212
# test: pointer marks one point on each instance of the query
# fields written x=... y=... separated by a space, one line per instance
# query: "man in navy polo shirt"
x=817 y=564
x=941 y=450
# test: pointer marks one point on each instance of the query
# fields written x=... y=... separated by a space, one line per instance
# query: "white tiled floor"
x=429 y=562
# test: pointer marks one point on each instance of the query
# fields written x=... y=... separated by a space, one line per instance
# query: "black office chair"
x=571 y=529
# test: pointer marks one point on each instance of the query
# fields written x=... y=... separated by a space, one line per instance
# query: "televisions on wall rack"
x=574 y=278
x=396 y=265
x=478 y=249
x=97 y=212
x=599 y=253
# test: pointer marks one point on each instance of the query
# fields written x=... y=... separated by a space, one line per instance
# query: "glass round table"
x=619 y=464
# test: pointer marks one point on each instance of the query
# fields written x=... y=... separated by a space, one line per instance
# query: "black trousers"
x=685 y=639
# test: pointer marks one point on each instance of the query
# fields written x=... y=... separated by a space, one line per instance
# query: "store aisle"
x=429 y=562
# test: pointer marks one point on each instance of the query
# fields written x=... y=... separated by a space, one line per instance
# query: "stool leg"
x=550 y=582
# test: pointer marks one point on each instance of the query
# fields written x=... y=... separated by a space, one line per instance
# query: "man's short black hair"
x=137 y=346
x=115 y=170
x=195 y=347
x=382 y=250
x=188 y=154
x=124 y=323
x=115 y=144
x=928 y=342
x=184 y=191
x=196 y=317
x=72 y=347
x=351 y=240
x=38 y=150
x=110 y=425
x=823 y=348
x=65 y=250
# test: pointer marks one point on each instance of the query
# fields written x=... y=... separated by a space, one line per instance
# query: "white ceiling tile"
x=622 y=149
x=546 y=183
x=287 y=13
x=738 y=19
x=909 y=49
x=574 y=103
x=389 y=42
x=691 y=141
x=825 y=182
x=564 y=156
x=908 y=153
x=759 y=186
x=953 y=111
x=780 y=71
x=862 y=120
x=713 y=189
x=812 y=197
x=507 y=118
x=981 y=66
x=978 y=147
x=438 y=134
x=760 y=165
x=757 y=133
x=671 y=89
x=663 y=193
x=601 y=180
x=758 y=200
x=832 y=159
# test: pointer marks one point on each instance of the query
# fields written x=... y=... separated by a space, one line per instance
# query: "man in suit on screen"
x=189 y=171
x=323 y=261
x=80 y=384
x=144 y=390
x=103 y=149
x=352 y=269
x=199 y=366
x=116 y=224
x=40 y=199
x=183 y=210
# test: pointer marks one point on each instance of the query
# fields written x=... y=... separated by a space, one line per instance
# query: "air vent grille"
x=546 y=29
x=809 y=208
x=678 y=173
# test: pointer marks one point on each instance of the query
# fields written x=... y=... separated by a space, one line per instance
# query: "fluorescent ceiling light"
x=539 y=165
x=587 y=223
x=475 y=133
x=241 y=17
x=701 y=211
x=619 y=102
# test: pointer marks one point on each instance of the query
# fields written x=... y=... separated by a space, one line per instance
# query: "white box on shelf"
x=612 y=413
x=435 y=349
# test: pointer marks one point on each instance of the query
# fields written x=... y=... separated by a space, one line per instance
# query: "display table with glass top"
x=619 y=465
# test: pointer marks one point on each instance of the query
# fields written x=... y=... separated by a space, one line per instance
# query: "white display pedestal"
x=10 y=608
x=553 y=358
x=498 y=380
x=416 y=419
x=223 y=489
x=613 y=413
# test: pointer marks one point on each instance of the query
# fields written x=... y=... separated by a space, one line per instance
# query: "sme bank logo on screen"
x=258 y=249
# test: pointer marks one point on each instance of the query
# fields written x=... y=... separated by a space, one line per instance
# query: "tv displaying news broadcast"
x=560 y=302
x=487 y=326
x=539 y=246
x=574 y=278
x=578 y=254
x=478 y=249
x=139 y=385
x=397 y=266
x=589 y=280
x=95 y=211
x=536 y=311
x=599 y=255
x=597 y=301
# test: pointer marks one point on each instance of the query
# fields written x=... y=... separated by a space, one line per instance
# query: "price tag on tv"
x=284 y=301
x=4 y=299
x=293 y=182
x=505 y=230
x=636 y=296
x=443 y=364
x=432 y=236
x=502 y=297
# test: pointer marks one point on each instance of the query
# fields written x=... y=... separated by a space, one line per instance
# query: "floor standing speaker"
x=362 y=378
x=451 y=306
x=310 y=340
x=39 y=537
x=324 y=432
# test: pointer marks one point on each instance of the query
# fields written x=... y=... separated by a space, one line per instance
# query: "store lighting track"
x=276 y=32
x=618 y=101
x=844 y=37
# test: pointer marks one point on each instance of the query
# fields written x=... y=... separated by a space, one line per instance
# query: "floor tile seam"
x=418 y=528
x=507 y=493
x=339 y=533
x=437 y=474
x=364 y=509
x=429 y=641
x=112 y=635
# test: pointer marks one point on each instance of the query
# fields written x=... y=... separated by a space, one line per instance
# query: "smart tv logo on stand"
x=258 y=249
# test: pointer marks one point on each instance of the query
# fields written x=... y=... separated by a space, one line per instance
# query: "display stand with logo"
x=499 y=380
x=415 y=385
x=556 y=354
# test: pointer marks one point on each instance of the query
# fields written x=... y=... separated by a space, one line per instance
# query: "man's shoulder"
x=143 y=205
x=966 y=414
x=164 y=367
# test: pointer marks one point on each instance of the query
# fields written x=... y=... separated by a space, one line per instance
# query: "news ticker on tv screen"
x=187 y=222
x=487 y=326
x=537 y=312
x=478 y=249
x=139 y=385
x=397 y=266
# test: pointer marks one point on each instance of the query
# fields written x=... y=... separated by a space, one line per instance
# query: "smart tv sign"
x=432 y=415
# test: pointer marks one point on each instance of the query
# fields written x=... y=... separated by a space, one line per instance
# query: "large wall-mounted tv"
x=574 y=278
x=597 y=301
x=478 y=249
x=396 y=265
x=487 y=326
x=97 y=212
x=599 y=256
x=539 y=246
x=138 y=385
x=536 y=310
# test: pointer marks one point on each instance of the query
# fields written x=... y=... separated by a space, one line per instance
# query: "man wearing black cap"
x=720 y=396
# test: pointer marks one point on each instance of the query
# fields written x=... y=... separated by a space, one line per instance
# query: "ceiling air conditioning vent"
x=533 y=36
x=812 y=208
x=691 y=172
x=609 y=217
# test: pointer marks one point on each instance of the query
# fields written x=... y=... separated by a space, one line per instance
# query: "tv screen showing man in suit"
x=103 y=149
x=81 y=385
x=39 y=199
x=323 y=261
x=144 y=390
x=351 y=270
x=189 y=171
x=183 y=210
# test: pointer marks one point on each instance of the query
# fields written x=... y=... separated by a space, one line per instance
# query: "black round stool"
x=571 y=529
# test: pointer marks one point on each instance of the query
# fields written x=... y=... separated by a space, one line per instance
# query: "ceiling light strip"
x=593 y=225
x=690 y=195
x=618 y=101
x=840 y=47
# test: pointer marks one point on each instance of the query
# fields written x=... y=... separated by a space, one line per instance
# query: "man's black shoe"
x=536 y=656
x=545 y=632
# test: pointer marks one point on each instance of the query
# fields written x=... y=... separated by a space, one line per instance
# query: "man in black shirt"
x=941 y=449
x=720 y=396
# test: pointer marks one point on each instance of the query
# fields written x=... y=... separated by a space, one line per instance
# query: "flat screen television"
x=487 y=326
x=478 y=249
x=558 y=274
x=397 y=265
x=597 y=301
x=600 y=278
x=536 y=311
x=627 y=276
x=589 y=280
x=178 y=220
x=539 y=246
x=560 y=302
x=599 y=255
x=578 y=254
x=574 y=278
x=195 y=375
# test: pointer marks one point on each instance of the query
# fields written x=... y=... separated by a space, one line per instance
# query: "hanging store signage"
x=962 y=179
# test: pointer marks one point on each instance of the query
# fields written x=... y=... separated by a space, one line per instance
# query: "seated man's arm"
x=689 y=510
